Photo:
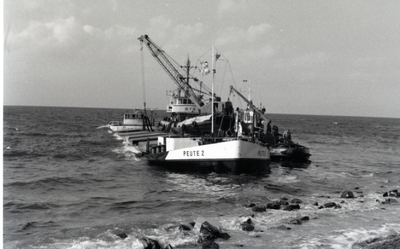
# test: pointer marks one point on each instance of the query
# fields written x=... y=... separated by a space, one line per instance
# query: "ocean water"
x=69 y=183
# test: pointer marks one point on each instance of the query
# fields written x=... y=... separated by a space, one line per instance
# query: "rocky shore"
x=209 y=235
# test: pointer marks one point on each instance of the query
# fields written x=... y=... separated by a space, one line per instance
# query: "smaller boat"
x=132 y=122
x=289 y=152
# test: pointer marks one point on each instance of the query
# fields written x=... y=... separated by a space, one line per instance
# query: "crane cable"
x=143 y=79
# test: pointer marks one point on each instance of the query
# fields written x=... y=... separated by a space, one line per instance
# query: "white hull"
x=235 y=156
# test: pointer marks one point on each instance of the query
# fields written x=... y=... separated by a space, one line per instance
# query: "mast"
x=212 y=91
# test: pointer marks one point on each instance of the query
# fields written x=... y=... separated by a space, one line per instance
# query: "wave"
x=15 y=207
x=47 y=182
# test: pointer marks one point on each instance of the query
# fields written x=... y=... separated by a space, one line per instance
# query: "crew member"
x=287 y=137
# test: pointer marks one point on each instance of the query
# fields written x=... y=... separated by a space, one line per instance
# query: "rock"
x=315 y=203
x=282 y=227
x=304 y=218
x=122 y=235
x=330 y=205
x=389 y=201
x=347 y=194
x=393 y=193
x=251 y=205
x=149 y=243
x=247 y=225
x=297 y=201
x=291 y=207
x=274 y=205
x=186 y=227
x=259 y=209
x=209 y=244
x=210 y=232
x=295 y=222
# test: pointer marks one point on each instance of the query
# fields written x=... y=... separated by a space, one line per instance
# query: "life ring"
x=194 y=124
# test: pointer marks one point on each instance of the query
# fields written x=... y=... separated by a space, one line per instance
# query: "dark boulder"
x=259 y=209
x=209 y=244
x=282 y=227
x=274 y=205
x=186 y=227
x=149 y=243
x=251 y=205
x=305 y=218
x=292 y=207
x=210 y=232
x=347 y=194
x=247 y=225
x=392 y=193
x=331 y=205
x=122 y=235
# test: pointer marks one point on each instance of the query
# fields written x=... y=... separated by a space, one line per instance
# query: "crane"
x=181 y=81
x=251 y=105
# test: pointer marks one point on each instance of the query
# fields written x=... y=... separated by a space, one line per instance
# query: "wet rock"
x=122 y=235
x=274 y=205
x=347 y=194
x=186 y=227
x=149 y=243
x=282 y=227
x=393 y=193
x=305 y=218
x=259 y=209
x=296 y=201
x=292 y=207
x=284 y=201
x=251 y=205
x=247 y=225
x=295 y=222
x=209 y=244
x=331 y=205
x=210 y=232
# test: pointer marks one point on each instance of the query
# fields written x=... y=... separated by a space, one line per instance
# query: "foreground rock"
x=210 y=232
x=330 y=205
x=149 y=243
x=347 y=194
x=392 y=193
x=390 y=242
x=247 y=225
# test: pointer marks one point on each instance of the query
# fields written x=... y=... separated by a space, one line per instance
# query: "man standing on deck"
x=287 y=137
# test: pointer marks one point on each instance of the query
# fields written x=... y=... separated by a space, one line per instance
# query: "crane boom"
x=177 y=77
x=251 y=105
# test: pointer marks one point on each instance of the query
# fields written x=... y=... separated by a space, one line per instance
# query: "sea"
x=70 y=183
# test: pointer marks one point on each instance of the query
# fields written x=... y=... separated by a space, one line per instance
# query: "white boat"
x=131 y=122
x=205 y=155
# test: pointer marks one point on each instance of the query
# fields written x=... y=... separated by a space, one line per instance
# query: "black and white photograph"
x=181 y=124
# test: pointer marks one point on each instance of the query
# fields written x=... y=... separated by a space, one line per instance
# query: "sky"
x=298 y=57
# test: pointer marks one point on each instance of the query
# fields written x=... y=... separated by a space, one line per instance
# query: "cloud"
x=230 y=6
x=233 y=35
x=59 y=32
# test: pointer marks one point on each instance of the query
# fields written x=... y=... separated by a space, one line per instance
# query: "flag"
x=204 y=68
x=217 y=55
